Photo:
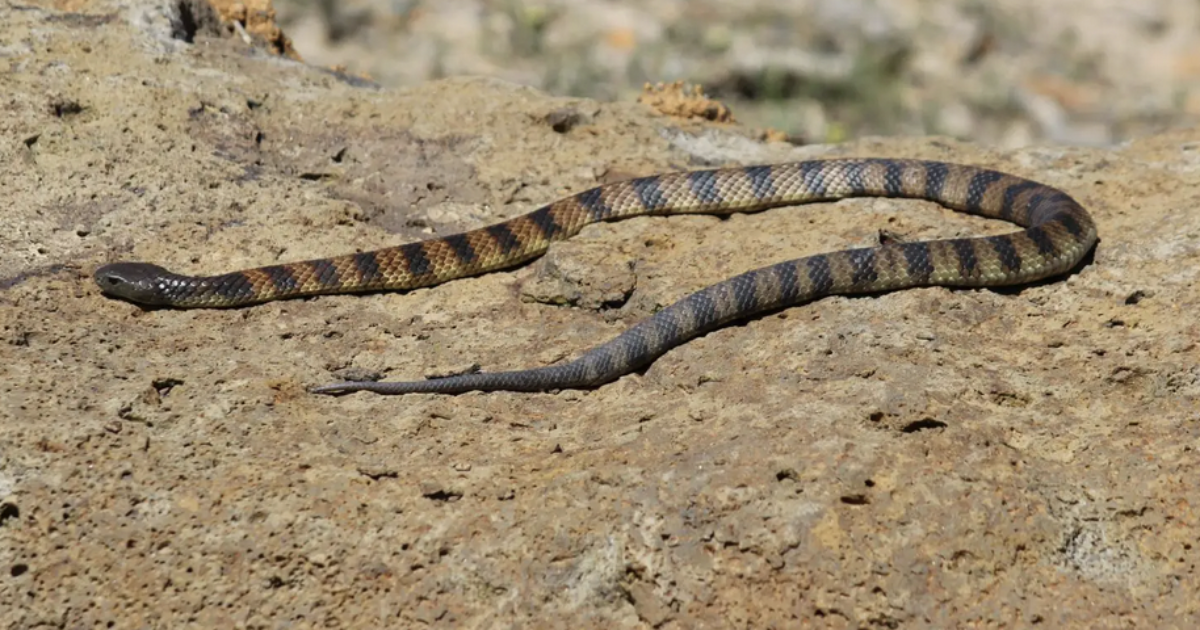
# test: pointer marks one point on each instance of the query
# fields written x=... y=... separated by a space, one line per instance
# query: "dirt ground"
x=926 y=458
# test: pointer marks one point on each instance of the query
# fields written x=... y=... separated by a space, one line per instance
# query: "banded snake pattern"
x=1057 y=234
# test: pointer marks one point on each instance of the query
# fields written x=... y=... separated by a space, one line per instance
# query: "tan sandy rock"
x=923 y=458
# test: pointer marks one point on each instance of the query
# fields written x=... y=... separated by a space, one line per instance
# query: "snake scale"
x=1058 y=234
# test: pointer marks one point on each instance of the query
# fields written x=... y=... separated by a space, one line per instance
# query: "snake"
x=1057 y=235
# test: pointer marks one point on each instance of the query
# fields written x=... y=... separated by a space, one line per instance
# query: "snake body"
x=1057 y=234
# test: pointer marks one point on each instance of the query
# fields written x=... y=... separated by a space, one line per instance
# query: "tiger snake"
x=1057 y=235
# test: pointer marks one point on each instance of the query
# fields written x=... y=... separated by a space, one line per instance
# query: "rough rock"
x=922 y=458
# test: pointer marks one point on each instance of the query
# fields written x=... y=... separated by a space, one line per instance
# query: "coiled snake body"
x=1058 y=234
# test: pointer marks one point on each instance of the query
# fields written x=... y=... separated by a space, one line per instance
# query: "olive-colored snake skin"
x=1058 y=234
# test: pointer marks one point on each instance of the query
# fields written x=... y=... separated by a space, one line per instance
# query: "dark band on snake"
x=1058 y=234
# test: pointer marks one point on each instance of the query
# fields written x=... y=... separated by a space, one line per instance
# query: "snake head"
x=141 y=283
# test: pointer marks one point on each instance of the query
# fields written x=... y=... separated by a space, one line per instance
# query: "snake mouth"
x=109 y=283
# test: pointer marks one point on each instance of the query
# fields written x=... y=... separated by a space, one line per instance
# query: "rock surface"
x=923 y=458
